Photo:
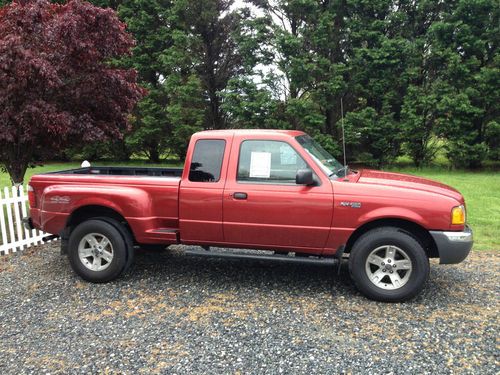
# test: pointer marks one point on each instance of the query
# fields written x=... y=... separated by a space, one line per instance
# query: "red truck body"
x=321 y=219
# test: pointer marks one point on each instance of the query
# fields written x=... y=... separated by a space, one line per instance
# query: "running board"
x=277 y=257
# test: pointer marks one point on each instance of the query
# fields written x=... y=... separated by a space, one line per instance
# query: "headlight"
x=458 y=215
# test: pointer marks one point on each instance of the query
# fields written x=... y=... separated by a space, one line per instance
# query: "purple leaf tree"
x=58 y=82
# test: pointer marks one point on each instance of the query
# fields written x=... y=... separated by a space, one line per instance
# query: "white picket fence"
x=13 y=236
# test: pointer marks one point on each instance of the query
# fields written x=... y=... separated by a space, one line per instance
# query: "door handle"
x=240 y=195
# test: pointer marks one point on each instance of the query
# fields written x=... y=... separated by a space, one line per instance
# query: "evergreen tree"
x=465 y=47
x=149 y=22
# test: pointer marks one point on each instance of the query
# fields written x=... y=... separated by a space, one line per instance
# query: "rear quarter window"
x=206 y=163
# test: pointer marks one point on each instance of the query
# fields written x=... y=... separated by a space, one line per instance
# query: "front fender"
x=392 y=213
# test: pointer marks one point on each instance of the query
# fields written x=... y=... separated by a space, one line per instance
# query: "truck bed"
x=125 y=171
x=147 y=197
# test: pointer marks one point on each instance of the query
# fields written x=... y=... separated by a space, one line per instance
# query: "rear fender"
x=59 y=201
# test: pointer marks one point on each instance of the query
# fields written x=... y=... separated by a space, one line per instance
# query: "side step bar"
x=266 y=257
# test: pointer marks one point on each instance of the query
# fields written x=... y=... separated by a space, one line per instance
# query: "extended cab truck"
x=258 y=189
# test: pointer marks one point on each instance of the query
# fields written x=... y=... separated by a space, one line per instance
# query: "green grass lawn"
x=480 y=189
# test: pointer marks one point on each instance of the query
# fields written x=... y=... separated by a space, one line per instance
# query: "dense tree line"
x=412 y=76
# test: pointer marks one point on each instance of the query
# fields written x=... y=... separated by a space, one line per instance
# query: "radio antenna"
x=343 y=135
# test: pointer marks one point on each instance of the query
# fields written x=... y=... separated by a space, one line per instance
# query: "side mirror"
x=304 y=177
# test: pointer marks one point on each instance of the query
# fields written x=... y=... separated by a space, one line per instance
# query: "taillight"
x=31 y=196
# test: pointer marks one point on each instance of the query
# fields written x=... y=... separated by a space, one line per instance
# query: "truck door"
x=201 y=190
x=264 y=206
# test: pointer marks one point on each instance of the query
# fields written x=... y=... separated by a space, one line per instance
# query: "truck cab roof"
x=250 y=132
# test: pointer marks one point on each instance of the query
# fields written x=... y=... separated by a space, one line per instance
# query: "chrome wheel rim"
x=95 y=251
x=388 y=267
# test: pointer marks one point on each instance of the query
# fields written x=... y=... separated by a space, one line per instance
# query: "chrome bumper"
x=453 y=247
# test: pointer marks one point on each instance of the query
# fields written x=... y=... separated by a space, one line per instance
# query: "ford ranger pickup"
x=270 y=190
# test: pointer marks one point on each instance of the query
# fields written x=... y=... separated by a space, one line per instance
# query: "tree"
x=250 y=106
x=210 y=24
x=150 y=24
x=331 y=50
x=185 y=56
x=418 y=114
x=113 y=4
x=286 y=37
x=327 y=35
x=249 y=99
x=187 y=109
x=286 y=21
x=57 y=86
x=418 y=119
x=465 y=46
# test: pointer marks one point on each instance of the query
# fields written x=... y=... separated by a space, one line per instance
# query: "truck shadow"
x=215 y=274
x=239 y=273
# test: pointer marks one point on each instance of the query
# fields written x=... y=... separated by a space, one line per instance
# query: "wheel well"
x=418 y=232
x=87 y=212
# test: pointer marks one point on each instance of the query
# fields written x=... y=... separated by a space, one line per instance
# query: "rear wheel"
x=98 y=251
x=388 y=264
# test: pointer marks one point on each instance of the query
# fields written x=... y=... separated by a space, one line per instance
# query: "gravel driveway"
x=181 y=314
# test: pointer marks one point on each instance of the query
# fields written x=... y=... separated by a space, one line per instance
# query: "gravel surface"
x=181 y=314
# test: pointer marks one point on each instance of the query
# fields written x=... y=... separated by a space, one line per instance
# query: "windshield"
x=325 y=161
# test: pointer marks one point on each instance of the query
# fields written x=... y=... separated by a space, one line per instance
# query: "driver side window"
x=268 y=162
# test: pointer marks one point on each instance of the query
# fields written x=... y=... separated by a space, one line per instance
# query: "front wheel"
x=97 y=251
x=389 y=265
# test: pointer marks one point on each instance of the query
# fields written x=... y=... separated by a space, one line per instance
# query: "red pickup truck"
x=271 y=190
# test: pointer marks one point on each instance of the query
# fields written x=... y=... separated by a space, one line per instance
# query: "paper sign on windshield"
x=260 y=165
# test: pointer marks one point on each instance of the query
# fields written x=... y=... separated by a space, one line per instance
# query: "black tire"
x=122 y=251
x=126 y=236
x=388 y=236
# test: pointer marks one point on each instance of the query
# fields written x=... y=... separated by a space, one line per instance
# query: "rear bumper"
x=28 y=223
x=453 y=247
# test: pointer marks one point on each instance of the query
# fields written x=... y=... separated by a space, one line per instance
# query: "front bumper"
x=453 y=247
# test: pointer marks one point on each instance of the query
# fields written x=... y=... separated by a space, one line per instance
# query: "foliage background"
x=415 y=78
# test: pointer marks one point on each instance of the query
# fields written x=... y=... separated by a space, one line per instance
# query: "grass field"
x=480 y=189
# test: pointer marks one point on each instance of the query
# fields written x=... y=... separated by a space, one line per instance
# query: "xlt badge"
x=351 y=204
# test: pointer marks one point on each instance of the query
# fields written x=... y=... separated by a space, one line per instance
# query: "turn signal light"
x=458 y=215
